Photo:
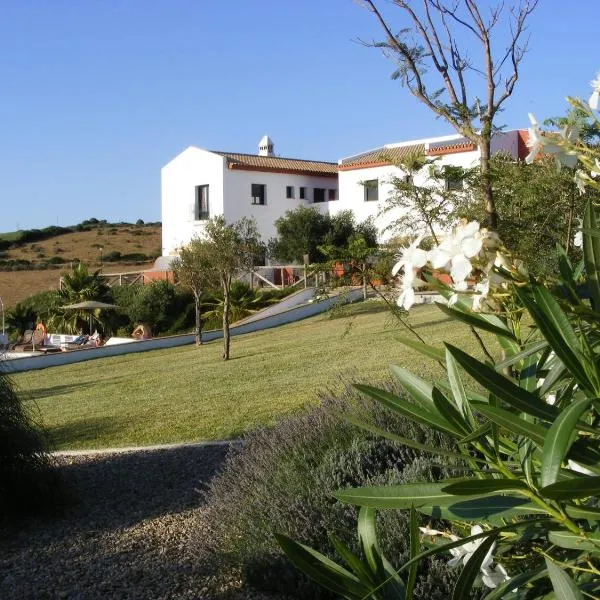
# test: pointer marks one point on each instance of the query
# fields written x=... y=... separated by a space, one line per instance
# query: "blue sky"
x=98 y=94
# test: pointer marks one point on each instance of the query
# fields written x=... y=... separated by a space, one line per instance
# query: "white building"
x=199 y=184
x=365 y=180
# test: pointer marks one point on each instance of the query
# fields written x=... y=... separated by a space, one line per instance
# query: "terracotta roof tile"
x=254 y=162
x=381 y=156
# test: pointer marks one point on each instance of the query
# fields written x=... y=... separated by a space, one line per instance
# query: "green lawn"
x=186 y=394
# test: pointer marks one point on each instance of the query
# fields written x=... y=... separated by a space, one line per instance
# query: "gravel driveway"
x=131 y=532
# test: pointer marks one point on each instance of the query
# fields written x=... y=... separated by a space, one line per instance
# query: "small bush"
x=28 y=480
x=282 y=479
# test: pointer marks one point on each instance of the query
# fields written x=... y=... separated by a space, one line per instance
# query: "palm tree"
x=21 y=317
x=78 y=286
x=244 y=301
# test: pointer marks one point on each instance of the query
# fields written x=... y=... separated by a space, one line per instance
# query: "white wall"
x=238 y=199
x=179 y=179
x=352 y=190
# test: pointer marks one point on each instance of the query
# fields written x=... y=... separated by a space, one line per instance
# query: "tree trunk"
x=364 y=281
x=486 y=181
x=225 y=354
x=198 y=320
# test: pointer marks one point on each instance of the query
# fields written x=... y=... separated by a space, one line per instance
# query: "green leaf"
x=570 y=489
x=528 y=374
x=415 y=544
x=407 y=409
x=358 y=422
x=418 y=389
x=323 y=570
x=480 y=321
x=397 y=496
x=472 y=487
x=481 y=431
x=502 y=387
x=583 y=512
x=368 y=537
x=448 y=412
x=458 y=390
x=511 y=422
x=486 y=507
x=436 y=354
x=385 y=575
x=566 y=539
x=564 y=587
x=556 y=329
x=591 y=252
x=464 y=584
x=360 y=569
x=534 y=348
x=559 y=439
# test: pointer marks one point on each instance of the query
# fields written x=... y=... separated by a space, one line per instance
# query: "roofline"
x=243 y=167
x=423 y=141
x=223 y=153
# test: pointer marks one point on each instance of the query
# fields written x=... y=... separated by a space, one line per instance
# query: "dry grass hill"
x=29 y=265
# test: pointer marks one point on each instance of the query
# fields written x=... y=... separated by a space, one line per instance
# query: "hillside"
x=30 y=264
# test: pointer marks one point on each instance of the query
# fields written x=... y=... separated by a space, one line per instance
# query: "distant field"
x=83 y=245
x=189 y=393
x=17 y=285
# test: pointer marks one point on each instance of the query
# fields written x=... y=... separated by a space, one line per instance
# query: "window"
x=318 y=195
x=289 y=191
x=453 y=179
x=201 y=204
x=259 y=193
x=371 y=190
x=302 y=193
x=332 y=195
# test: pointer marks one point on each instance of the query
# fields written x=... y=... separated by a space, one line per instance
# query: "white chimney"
x=265 y=146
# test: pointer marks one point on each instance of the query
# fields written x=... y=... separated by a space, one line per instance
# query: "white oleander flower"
x=537 y=143
x=456 y=250
x=407 y=289
x=593 y=101
x=492 y=576
x=411 y=257
x=578 y=239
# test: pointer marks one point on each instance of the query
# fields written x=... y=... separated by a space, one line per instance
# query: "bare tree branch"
x=440 y=49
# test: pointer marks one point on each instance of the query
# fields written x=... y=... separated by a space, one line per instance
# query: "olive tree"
x=194 y=270
x=231 y=249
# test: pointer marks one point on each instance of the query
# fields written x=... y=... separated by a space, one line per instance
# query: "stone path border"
x=153 y=448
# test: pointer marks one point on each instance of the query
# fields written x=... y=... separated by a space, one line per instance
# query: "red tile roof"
x=254 y=162
x=380 y=157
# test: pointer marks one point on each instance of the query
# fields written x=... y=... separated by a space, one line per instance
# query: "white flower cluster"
x=460 y=249
x=492 y=576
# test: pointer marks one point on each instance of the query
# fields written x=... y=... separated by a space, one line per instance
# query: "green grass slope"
x=188 y=394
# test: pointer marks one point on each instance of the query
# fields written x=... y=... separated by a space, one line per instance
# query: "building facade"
x=200 y=184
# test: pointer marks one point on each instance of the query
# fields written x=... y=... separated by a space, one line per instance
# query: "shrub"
x=281 y=480
x=28 y=480
x=160 y=304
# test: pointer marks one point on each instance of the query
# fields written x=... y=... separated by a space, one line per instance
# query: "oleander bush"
x=281 y=479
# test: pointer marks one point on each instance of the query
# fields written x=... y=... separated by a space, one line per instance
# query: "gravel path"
x=131 y=532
